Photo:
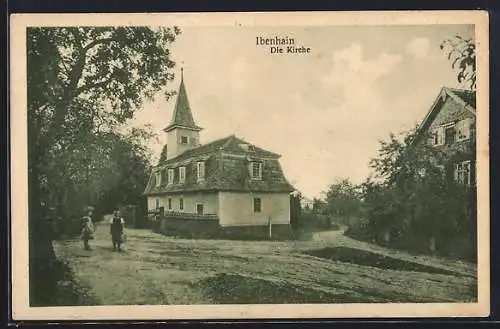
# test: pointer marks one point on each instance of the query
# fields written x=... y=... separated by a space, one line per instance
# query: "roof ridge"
x=198 y=147
x=454 y=93
x=451 y=93
x=452 y=89
x=229 y=138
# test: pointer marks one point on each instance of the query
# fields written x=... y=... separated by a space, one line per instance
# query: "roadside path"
x=155 y=269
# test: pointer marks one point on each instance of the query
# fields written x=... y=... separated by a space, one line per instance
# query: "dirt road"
x=330 y=268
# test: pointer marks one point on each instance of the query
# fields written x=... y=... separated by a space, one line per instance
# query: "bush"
x=58 y=286
x=359 y=232
x=311 y=221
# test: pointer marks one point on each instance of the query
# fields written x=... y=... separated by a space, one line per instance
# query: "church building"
x=229 y=179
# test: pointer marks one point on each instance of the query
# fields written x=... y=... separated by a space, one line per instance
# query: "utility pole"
x=270 y=223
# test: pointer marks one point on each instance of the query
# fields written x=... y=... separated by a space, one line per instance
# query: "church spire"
x=182 y=116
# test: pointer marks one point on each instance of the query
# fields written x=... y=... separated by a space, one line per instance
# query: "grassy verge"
x=60 y=288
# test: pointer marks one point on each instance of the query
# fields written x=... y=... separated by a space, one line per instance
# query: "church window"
x=182 y=174
x=158 y=178
x=256 y=170
x=200 y=170
x=184 y=140
x=170 y=176
x=257 y=205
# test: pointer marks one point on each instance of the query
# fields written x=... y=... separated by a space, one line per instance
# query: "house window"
x=200 y=170
x=158 y=178
x=184 y=140
x=157 y=203
x=463 y=172
x=463 y=130
x=182 y=174
x=181 y=204
x=438 y=136
x=170 y=176
x=169 y=204
x=449 y=135
x=256 y=170
x=257 y=205
x=199 y=209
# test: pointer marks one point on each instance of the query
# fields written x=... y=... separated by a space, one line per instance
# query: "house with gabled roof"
x=450 y=126
x=230 y=179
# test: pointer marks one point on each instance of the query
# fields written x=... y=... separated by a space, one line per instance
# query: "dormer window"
x=158 y=178
x=182 y=174
x=200 y=169
x=170 y=176
x=256 y=170
x=184 y=140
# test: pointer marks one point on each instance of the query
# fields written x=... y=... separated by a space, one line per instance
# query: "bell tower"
x=182 y=133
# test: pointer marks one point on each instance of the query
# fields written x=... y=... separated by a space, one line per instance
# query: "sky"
x=323 y=111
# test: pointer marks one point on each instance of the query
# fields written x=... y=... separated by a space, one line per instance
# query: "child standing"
x=87 y=230
x=116 y=230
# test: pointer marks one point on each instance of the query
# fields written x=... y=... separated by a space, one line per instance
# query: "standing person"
x=116 y=230
x=88 y=229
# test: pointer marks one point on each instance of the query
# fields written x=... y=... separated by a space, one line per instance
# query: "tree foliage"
x=84 y=79
x=462 y=53
x=343 y=199
x=82 y=84
x=414 y=195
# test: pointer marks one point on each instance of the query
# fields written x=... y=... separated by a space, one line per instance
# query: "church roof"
x=182 y=116
x=230 y=144
x=226 y=162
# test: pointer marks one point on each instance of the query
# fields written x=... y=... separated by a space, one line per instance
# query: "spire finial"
x=182 y=73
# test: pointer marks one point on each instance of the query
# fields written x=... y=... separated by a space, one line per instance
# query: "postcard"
x=276 y=165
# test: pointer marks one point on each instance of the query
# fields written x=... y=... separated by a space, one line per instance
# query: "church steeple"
x=182 y=133
x=182 y=116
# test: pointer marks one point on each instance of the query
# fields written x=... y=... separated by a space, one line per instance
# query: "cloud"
x=357 y=78
x=327 y=133
x=348 y=64
x=419 y=48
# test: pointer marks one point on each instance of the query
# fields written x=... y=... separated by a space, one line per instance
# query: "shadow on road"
x=366 y=258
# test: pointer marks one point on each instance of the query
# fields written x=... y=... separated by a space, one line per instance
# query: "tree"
x=82 y=83
x=415 y=194
x=462 y=53
x=343 y=199
x=131 y=162
x=319 y=206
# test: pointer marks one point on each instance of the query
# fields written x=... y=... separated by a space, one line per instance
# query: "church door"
x=199 y=209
